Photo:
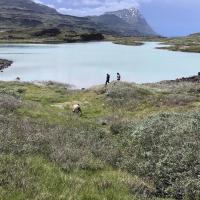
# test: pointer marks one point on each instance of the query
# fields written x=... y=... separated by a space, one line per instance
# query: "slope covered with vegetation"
x=48 y=35
x=190 y=43
x=132 y=141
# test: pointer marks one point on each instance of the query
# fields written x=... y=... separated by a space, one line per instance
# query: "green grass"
x=116 y=150
x=35 y=178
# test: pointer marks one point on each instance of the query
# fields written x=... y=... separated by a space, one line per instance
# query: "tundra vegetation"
x=132 y=141
x=189 y=43
x=48 y=35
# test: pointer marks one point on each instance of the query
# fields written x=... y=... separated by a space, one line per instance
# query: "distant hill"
x=194 y=35
x=28 y=14
x=20 y=14
x=127 y=22
x=25 y=5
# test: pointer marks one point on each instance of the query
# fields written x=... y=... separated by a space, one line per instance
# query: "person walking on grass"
x=107 y=79
x=118 y=77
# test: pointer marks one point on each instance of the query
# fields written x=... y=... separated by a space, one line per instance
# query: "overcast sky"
x=167 y=17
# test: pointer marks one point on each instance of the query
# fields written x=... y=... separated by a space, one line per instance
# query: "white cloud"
x=38 y=1
x=95 y=7
x=51 y=5
x=90 y=7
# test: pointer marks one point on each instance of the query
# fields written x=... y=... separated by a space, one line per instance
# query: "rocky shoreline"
x=189 y=79
x=192 y=79
x=5 y=63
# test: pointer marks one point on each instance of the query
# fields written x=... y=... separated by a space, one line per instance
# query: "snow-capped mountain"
x=17 y=14
x=135 y=19
x=129 y=15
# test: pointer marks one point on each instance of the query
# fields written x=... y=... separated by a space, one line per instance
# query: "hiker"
x=118 y=77
x=107 y=79
x=77 y=109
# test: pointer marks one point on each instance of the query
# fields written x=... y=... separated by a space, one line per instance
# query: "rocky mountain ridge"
x=18 y=14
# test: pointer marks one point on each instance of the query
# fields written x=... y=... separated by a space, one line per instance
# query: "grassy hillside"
x=132 y=142
x=190 y=43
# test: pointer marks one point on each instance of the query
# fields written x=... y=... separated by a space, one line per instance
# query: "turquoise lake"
x=86 y=64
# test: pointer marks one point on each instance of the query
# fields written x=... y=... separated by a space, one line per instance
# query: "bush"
x=117 y=128
x=8 y=103
x=178 y=100
x=125 y=95
x=69 y=147
x=166 y=150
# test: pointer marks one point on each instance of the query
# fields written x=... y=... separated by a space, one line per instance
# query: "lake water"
x=86 y=64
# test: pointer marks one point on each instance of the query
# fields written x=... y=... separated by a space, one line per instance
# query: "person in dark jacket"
x=118 y=77
x=107 y=79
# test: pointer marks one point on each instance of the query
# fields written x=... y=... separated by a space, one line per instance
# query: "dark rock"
x=51 y=32
x=193 y=79
x=50 y=83
x=4 y=64
x=92 y=37
x=104 y=123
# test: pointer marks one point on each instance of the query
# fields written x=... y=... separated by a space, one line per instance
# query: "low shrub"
x=166 y=149
x=8 y=103
x=178 y=100
x=126 y=97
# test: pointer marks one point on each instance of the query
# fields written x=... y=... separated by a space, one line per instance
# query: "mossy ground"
x=47 y=152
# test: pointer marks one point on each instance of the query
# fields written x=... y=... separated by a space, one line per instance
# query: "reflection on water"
x=86 y=64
